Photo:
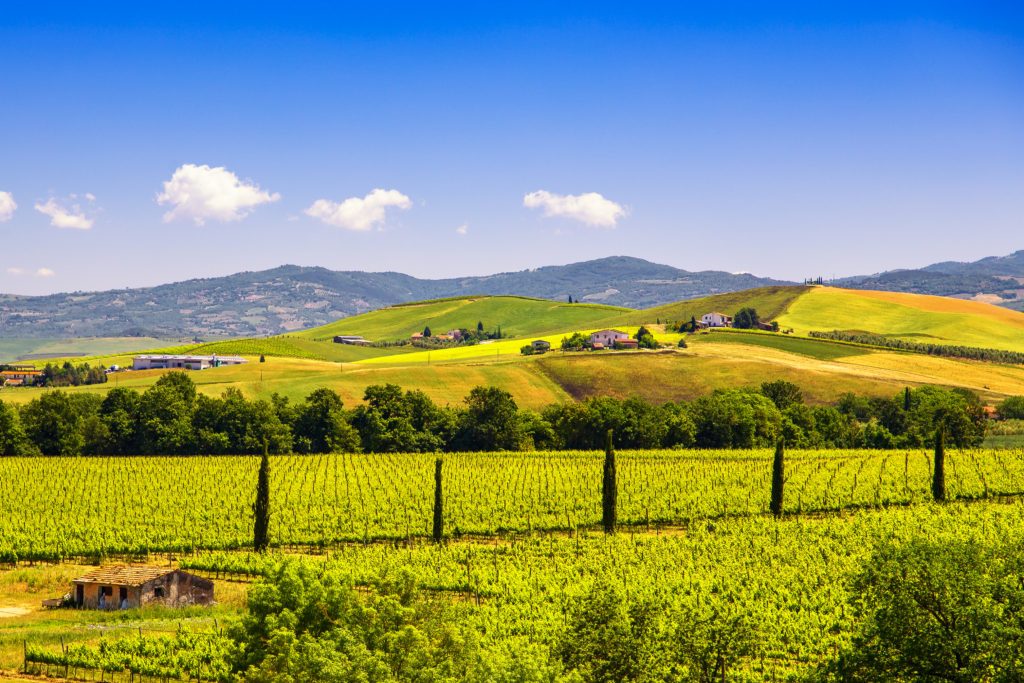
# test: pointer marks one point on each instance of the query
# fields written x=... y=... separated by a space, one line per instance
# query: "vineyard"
x=60 y=508
x=791 y=575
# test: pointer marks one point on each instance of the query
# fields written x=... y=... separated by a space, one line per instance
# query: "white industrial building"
x=169 y=362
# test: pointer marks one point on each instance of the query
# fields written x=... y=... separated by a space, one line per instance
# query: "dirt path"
x=8 y=612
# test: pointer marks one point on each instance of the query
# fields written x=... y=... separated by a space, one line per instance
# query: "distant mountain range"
x=293 y=297
x=995 y=279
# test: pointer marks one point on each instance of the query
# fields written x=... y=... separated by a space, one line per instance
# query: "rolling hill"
x=912 y=317
x=516 y=316
x=291 y=298
x=297 y=363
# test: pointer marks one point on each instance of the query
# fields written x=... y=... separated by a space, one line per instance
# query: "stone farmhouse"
x=124 y=586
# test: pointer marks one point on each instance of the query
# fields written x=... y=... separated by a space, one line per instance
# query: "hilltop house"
x=416 y=336
x=716 y=320
x=607 y=337
x=540 y=346
x=627 y=343
x=123 y=586
x=168 y=362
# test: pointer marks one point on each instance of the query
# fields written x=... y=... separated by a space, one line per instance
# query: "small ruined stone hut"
x=121 y=587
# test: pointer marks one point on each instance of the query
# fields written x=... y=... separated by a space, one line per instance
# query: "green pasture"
x=33 y=350
x=769 y=302
x=517 y=316
x=814 y=348
x=913 y=317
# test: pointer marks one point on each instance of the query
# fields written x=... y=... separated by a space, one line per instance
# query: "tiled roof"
x=123 y=575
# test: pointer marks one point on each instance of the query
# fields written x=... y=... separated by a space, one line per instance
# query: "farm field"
x=517 y=316
x=12 y=350
x=913 y=317
x=717 y=360
x=91 y=507
x=770 y=303
x=695 y=533
x=298 y=363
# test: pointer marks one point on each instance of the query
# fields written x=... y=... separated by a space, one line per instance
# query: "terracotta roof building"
x=123 y=586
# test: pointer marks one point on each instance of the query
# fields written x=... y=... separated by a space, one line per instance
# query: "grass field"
x=517 y=316
x=812 y=348
x=769 y=302
x=23 y=589
x=298 y=363
x=717 y=360
x=17 y=349
x=908 y=316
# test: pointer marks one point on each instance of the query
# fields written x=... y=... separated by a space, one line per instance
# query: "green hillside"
x=32 y=349
x=769 y=302
x=517 y=316
x=914 y=317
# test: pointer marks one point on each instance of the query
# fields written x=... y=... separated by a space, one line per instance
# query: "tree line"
x=172 y=418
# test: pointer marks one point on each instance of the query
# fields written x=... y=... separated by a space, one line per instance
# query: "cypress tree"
x=438 y=503
x=261 y=508
x=426 y=332
x=609 y=488
x=480 y=326
x=263 y=359
x=906 y=399
x=778 y=477
x=939 y=475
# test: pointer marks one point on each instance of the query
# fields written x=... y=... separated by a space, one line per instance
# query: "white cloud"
x=462 y=229
x=201 y=192
x=357 y=213
x=40 y=272
x=65 y=218
x=591 y=208
x=7 y=206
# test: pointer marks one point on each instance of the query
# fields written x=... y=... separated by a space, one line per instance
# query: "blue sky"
x=801 y=139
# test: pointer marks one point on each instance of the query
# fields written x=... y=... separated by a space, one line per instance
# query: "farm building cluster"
x=449 y=336
x=123 y=587
x=172 y=362
x=716 y=319
x=20 y=375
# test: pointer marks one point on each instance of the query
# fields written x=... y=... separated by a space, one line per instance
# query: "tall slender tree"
x=609 y=488
x=939 y=475
x=906 y=399
x=778 y=477
x=261 y=508
x=438 y=502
